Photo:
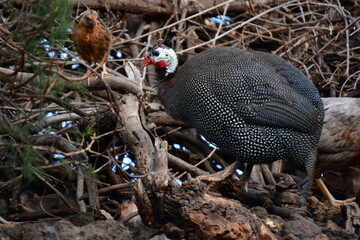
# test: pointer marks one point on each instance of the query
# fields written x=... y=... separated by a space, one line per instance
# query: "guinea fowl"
x=93 y=42
x=339 y=145
x=253 y=104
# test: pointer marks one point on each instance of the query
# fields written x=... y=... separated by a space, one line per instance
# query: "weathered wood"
x=352 y=213
x=144 y=205
x=161 y=161
x=119 y=82
x=160 y=8
x=339 y=145
x=181 y=164
x=133 y=133
x=192 y=206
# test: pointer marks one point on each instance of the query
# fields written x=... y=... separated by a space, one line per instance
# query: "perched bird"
x=93 y=41
x=253 y=104
x=339 y=145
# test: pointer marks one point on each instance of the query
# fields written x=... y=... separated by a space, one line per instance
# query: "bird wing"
x=270 y=102
x=261 y=88
x=287 y=109
x=104 y=43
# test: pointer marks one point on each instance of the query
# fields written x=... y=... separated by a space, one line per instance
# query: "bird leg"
x=219 y=176
x=104 y=73
x=329 y=196
x=245 y=177
x=102 y=64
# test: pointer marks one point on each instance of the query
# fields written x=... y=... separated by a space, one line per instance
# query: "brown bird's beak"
x=147 y=61
x=93 y=18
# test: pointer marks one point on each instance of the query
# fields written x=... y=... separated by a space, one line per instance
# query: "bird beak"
x=147 y=61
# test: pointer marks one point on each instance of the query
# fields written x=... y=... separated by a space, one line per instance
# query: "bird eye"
x=155 y=53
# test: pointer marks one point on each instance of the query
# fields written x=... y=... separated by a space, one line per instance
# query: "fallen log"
x=204 y=215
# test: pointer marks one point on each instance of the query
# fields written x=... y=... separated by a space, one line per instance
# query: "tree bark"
x=191 y=206
x=160 y=8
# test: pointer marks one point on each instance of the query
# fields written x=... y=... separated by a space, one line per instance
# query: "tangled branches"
x=87 y=124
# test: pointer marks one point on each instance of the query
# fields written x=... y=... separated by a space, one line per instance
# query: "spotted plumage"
x=253 y=104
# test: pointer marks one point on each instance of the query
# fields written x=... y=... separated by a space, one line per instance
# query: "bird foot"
x=219 y=176
x=329 y=196
x=336 y=202
x=104 y=73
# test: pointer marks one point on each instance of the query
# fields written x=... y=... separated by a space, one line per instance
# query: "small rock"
x=301 y=227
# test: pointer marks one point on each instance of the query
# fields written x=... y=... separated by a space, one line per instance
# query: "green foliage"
x=41 y=21
x=29 y=157
x=57 y=16
x=66 y=86
x=18 y=152
x=91 y=172
x=89 y=131
x=43 y=83
x=15 y=131
x=69 y=173
x=36 y=28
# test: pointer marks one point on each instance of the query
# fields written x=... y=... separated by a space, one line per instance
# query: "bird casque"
x=253 y=104
x=93 y=42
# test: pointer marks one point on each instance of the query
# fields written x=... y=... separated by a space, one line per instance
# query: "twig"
x=175 y=23
x=111 y=188
x=241 y=25
x=221 y=24
x=54 y=189
x=200 y=162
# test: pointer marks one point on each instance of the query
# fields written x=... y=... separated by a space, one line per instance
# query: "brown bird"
x=93 y=41
x=339 y=145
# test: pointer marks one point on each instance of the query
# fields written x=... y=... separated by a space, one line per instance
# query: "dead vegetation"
x=86 y=152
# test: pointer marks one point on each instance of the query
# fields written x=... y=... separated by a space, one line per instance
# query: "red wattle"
x=161 y=64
